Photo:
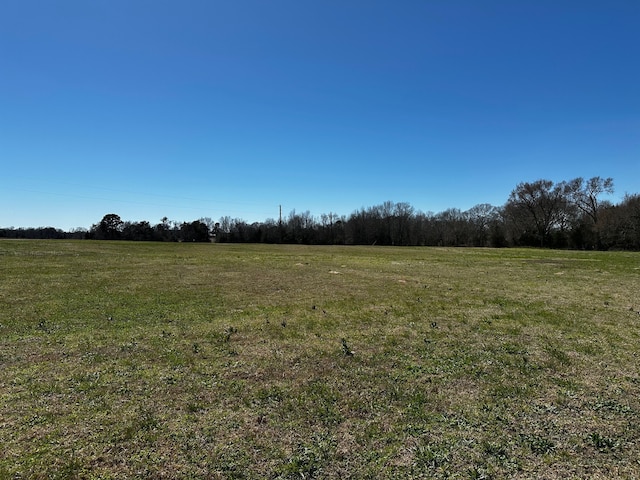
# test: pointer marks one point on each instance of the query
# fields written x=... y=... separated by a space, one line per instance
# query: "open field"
x=156 y=360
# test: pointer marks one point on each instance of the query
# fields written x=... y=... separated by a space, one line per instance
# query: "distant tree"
x=78 y=233
x=383 y=213
x=536 y=209
x=422 y=229
x=139 y=231
x=619 y=225
x=164 y=231
x=331 y=228
x=584 y=197
x=300 y=228
x=483 y=221
x=239 y=230
x=402 y=215
x=364 y=227
x=209 y=222
x=541 y=213
x=224 y=229
x=585 y=194
x=196 y=231
x=268 y=231
x=451 y=228
x=355 y=228
x=109 y=228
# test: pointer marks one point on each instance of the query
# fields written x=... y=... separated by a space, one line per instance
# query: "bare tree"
x=584 y=195
x=538 y=208
x=482 y=217
x=403 y=212
x=619 y=225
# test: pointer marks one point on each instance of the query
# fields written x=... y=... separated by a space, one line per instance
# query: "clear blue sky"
x=206 y=108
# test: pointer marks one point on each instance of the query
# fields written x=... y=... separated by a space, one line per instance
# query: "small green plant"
x=346 y=350
x=603 y=443
x=431 y=456
x=228 y=332
x=479 y=473
x=143 y=422
x=194 y=407
x=308 y=460
x=44 y=326
x=540 y=445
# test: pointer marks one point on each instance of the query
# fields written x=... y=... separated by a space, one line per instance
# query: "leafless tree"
x=537 y=208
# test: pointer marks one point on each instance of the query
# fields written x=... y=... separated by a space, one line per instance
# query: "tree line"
x=566 y=214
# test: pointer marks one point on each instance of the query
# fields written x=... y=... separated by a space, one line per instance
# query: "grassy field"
x=122 y=360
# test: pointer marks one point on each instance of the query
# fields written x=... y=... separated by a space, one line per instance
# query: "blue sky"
x=205 y=108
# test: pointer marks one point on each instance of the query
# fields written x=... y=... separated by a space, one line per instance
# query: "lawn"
x=158 y=360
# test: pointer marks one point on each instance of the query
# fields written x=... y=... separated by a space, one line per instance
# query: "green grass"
x=121 y=360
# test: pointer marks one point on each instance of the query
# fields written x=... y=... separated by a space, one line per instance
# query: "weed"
x=479 y=473
x=44 y=326
x=539 y=445
x=611 y=406
x=430 y=456
x=603 y=443
x=308 y=460
x=195 y=406
x=346 y=350
x=71 y=468
x=494 y=449
x=228 y=332
x=142 y=422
